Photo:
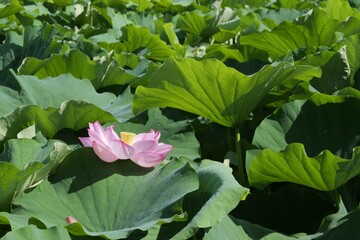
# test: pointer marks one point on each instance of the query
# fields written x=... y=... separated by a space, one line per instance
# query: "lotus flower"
x=144 y=149
x=70 y=220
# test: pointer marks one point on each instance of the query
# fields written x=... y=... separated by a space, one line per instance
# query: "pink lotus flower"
x=144 y=149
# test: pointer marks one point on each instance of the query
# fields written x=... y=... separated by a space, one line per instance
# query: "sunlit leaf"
x=324 y=172
x=210 y=89
x=80 y=190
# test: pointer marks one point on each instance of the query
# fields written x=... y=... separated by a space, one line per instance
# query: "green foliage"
x=325 y=172
x=212 y=90
x=116 y=215
x=270 y=86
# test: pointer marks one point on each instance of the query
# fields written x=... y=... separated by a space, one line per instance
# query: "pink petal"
x=121 y=150
x=110 y=134
x=145 y=146
x=163 y=148
x=97 y=133
x=151 y=135
x=96 y=126
x=101 y=136
x=103 y=153
x=86 y=141
x=147 y=159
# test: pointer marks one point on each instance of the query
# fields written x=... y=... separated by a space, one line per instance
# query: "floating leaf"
x=80 y=190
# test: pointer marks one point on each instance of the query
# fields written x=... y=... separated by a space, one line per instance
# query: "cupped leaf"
x=26 y=162
x=69 y=103
x=37 y=41
x=325 y=172
x=218 y=194
x=72 y=114
x=315 y=29
x=108 y=199
x=335 y=70
x=100 y=73
x=210 y=89
x=40 y=41
x=32 y=232
x=14 y=221
x=318 y=123
x=141 y=41
x=75 y=62
x=35 y=159
x=194 y=24
x=52 y=92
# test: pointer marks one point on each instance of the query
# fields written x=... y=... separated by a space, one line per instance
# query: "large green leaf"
x=11 y=8
x=51 y=92
x=141 y=41
x=14 y=221
x=35 y=158
x=335 y=70
x=78 y=64
x=32 y=232
x=9 y=99
x=210 y=89
x=194 y=24
x=340 y=9
x=324 y=172
x=72 y=114
x=25 y=162
x=37 y=41
x=316 y=29
x=108 y=199
x=325 y=130
x=232 y=229
x=179 y=134
x=10 y=50
x=75 y=62
x=8 y=183
x=218 y=194
x=76 y=101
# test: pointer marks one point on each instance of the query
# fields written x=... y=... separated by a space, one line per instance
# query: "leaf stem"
x=241 y=168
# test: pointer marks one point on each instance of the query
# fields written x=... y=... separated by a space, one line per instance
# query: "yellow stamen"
x=127 y=137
